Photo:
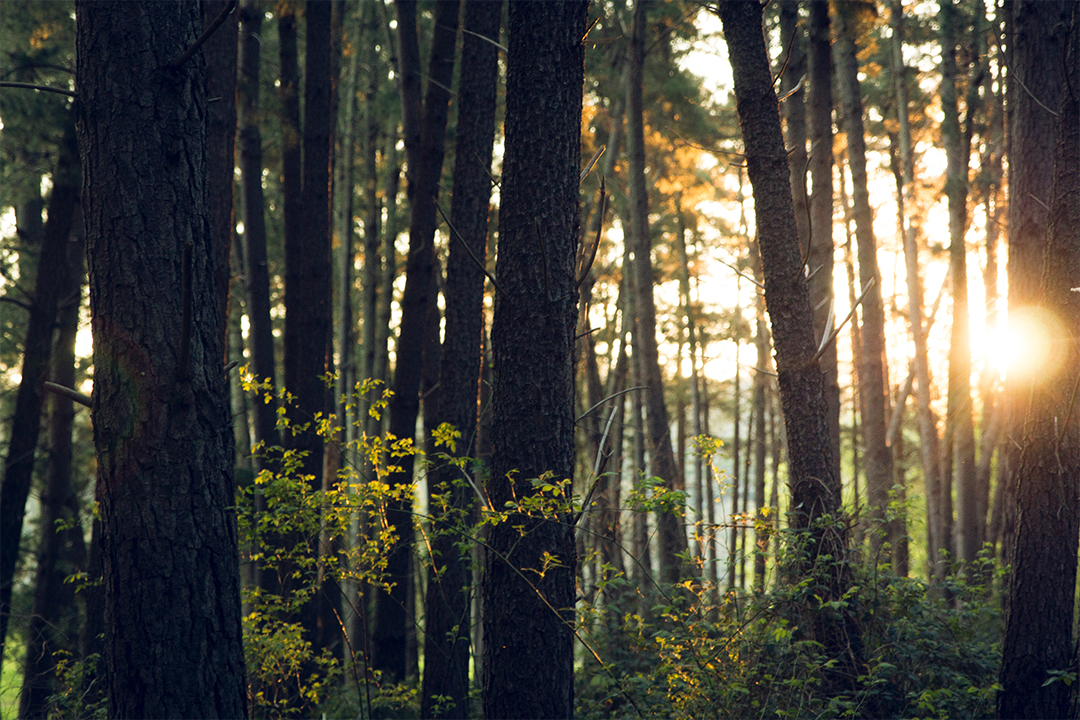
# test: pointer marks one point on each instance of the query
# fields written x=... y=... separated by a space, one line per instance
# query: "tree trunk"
x=529 y=603
x=61 y=552
x=1035 y=84
x=814 y=479
x=425 y=128
x=160 y=403
x=672 y=534
x=446 y=647
x=873 y=376
x=1038 y=631
x=37 y=350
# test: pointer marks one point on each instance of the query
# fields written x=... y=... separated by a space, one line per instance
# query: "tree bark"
x=160 y=403
x=1038 y=630
x=814 y=479
x=529 y=601
x=447 y=612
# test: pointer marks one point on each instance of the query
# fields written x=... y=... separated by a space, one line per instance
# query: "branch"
x=70 y=394
x=454 y=233
x=599 y=228
x=205 y=36
x=43 y=88
x=742 y=275
x=832 y=336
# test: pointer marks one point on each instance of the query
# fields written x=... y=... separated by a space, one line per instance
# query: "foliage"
x=929 y=653
x=78 y=691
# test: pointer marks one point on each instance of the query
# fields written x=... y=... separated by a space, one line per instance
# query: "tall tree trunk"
x=1034 y=87
x=873 y=376
x=160 y=404
x=447 y=612
x=820 y=163
x=425 y=128
x=736 y=468
x=1038 y=630
x=528 y=643
x=958 y=420
x=814 y=479
x=670 y=529
x=928 y=434
x=37 y=350
x=61 y=551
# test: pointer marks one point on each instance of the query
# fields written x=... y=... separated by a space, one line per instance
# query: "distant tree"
x=1039 y=629
x=160 y=403
x=529 y=575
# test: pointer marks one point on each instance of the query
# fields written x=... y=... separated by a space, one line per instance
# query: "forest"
x=539 y=359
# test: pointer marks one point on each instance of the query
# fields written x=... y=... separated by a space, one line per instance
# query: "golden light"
x=1032 y=346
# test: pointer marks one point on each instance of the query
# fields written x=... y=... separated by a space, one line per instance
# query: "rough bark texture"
x=37 y=349
x=1035 y=83
x=425 y=129
x=448 y=619
x=529 y=601
x=1038 y=631
x=814 y=480
x=672 y=534
x=873 y=377
x=160 y=401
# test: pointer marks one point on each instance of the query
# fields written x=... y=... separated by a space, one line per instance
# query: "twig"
x=832 y=336
x=70 y=394
x=205 y=35
x=43 y=88
x=485 y=37
x=1032 y=96
x=742 y=275
x=454 y=233
x=608 y=398
x=591 y=163
x=599 y=230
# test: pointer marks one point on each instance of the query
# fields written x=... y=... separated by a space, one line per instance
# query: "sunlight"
x=1030 y=346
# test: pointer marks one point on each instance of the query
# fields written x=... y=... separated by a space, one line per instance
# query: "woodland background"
x=618 y=408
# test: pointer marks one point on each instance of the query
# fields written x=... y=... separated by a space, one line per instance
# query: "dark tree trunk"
x=873 y=376
x=1034 y=86
x=446 y=649
x=257 y=278
x=425 y=129
x=61 y=551
x=220 y=51
x=1038 y=631
x=672 y=534
x=37 y=350
x=814 y=479
x=528 y=642
x=820 y=162
x=160 y=403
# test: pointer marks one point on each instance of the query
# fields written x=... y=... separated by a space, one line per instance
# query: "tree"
x=814 y=478
x=37 y=351
x=446 y=647
x=1038 y=633
x=160 y=402
x=873 y=376
x=673 y=544
x=529 y=573
x=425 y=130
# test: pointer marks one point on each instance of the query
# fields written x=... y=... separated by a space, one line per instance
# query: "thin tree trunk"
x=873 y=376
x=736 y=468
x=37 y=350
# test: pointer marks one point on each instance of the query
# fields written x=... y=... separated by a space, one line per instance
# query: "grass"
x=11 y=678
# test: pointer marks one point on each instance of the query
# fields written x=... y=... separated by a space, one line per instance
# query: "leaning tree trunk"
x=529 y=601
x=160 y=403
x=814 y=479
x=1038 y=631
x=446 y=647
